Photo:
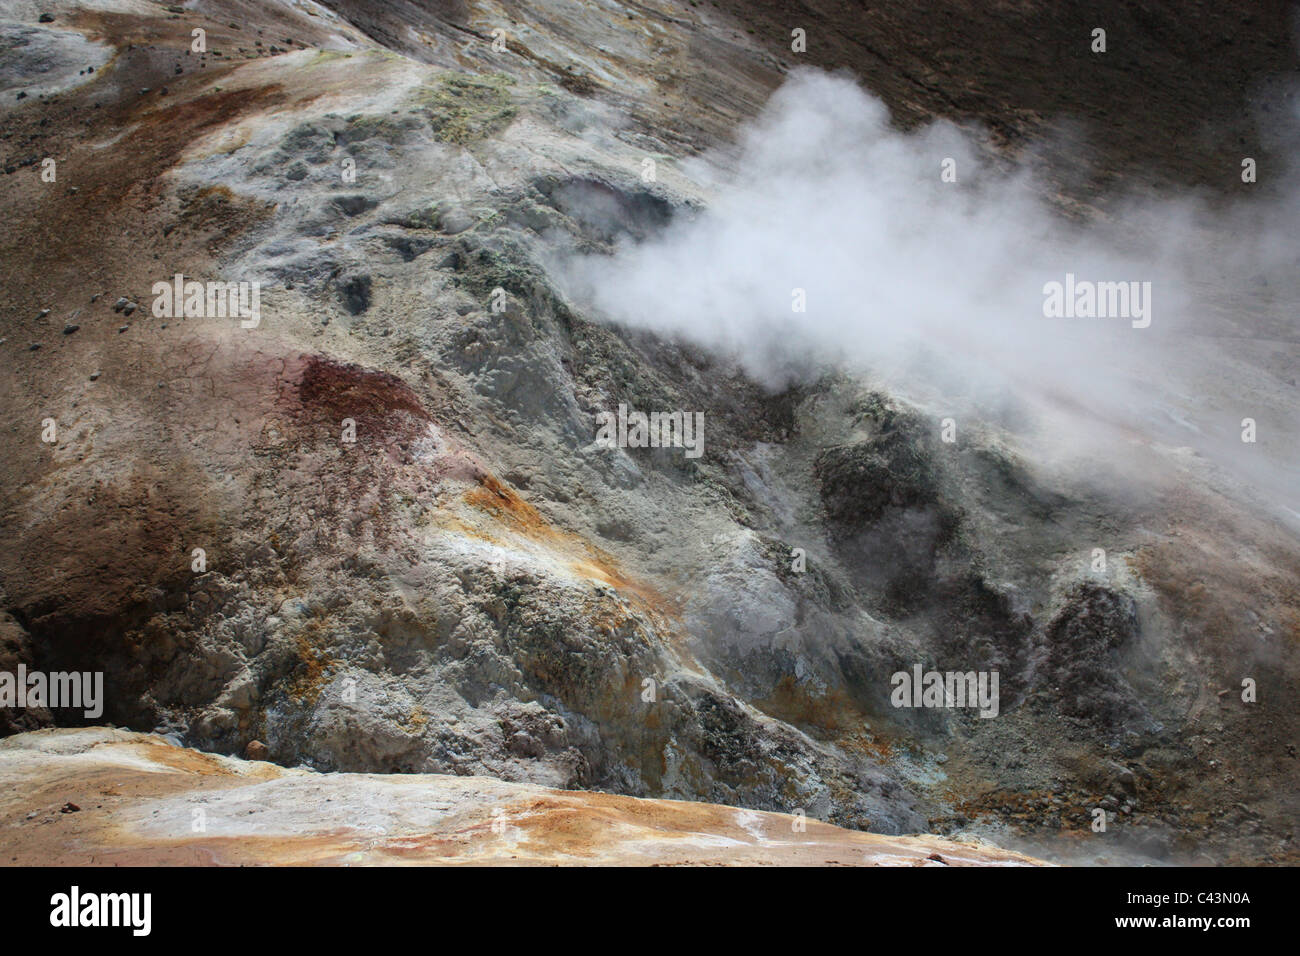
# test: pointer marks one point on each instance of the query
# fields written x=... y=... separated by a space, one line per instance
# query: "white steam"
x=937 y=288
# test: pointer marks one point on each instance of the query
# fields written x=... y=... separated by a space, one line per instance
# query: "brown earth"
x=137 y=798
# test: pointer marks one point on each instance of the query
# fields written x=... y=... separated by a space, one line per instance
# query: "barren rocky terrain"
x=474 y=587
x=144 y=801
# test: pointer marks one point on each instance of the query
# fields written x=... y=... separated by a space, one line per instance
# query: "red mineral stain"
x=380 y=404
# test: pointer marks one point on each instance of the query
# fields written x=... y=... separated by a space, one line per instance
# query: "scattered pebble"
x=123 y=329
x=42 y=314
x=129 y=308
x=94 y=376
x=120 y=304
x=34 y=346
x=69 y=807
x=70 y=328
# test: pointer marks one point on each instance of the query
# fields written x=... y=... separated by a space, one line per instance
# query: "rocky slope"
x=473 y=587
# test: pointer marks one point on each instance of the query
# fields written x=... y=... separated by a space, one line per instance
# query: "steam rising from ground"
x=937 y=288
